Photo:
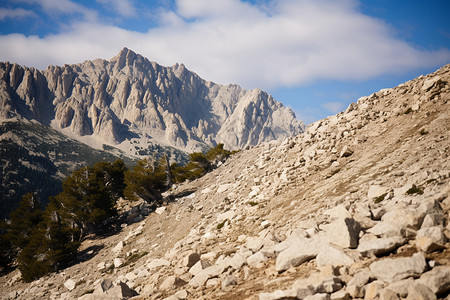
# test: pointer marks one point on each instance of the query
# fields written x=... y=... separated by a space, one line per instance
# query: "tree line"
x=40 y=240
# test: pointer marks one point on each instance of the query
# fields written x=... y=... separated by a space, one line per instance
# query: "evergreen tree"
x=6 y=252
x=23 y=220
x=147 y=180
x=89 y=196
x=51 y=246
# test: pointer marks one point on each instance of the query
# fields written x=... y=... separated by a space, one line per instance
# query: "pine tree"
x=23 y=220
x=51 y=246
x=89 y=195
x=146 y=180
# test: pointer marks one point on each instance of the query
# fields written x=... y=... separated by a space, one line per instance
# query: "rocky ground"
x=357 y=207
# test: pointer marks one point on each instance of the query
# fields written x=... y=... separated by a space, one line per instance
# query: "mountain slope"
x=356 y=207
x=129 y=100
x=35 y=158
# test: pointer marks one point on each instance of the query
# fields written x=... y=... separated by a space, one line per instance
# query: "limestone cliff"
x=128 y=100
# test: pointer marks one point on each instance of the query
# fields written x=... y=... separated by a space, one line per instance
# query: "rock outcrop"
x=264 y=224
x=129 y=100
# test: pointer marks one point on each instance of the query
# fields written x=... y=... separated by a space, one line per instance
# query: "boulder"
x=121 y=290
x=380 y=246
x=157 y=263
x=171 y=282
x=160 y=210
x=228 y=281
x=199 y=266
x=376 y=191
x=430 y=239
x=386 y=229
x=118 y=247
x=191 y=259
x=118 y=262
x=200 y=278
x=388 y=294
x=340 y=295
x=254 y=243
x=297 y=254
x=322 y=296
x=373 y=290
x=420 y=292
x=342 y=232
x=437 y=280
x=256 y=259
x=329 y=255
x=394 y=269
x=402 y=287
x=277 y=295
x=70 y=284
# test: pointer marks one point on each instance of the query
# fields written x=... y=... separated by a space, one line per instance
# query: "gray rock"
x=297 y=254
x=171 y=282
x=191 y=259
x=420 y=292
x=340 y=295
x=329 y=255
x=200 y=278
x=376 y=191
x=380 y=246
x=318 y=297
x=254 y=243
x=388 y=294
x=430 y=239
x=437 y=280
x=343 y=232
x=277 y=295
x=118 y=262
x=199 y=266
x=157 y=263
x=390 y=270
x=256 y=259
x=402 y=287
x=228 y=281
x=70 y=284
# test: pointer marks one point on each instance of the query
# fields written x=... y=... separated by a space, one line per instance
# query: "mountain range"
x=126 y=107
x=356 y=207
x=129 y=100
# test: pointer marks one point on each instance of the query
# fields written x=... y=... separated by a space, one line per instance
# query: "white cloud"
x=66 y=7
x=294 y=42
x=16 y=13
x=122 y=7
x=333 y=107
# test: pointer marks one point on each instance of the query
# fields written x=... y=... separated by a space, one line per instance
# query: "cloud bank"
x=272 y=44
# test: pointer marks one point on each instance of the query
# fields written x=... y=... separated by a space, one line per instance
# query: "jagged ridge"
x=312 y=214
x=129 y=100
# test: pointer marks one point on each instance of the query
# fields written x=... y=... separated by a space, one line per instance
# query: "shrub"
x=414 y=190
x=379 y=198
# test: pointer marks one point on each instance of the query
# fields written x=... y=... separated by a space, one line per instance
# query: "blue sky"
x=314 y=56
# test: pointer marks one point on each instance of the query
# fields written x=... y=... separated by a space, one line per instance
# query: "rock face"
x=129 y=99
x=298 y=219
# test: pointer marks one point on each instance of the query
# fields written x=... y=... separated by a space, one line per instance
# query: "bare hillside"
x=355 y=207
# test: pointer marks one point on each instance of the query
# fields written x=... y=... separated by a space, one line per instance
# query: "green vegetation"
x=221 y=224
x=414 y=190
x=379 y=198
x=47 y=241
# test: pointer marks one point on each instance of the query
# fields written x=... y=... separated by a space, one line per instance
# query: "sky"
x=315 y=56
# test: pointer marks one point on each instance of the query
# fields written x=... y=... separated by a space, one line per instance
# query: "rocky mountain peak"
x=355 y=207
x=123 y=100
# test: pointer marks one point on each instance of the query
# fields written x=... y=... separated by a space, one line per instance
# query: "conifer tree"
x=146 y=180
x=23 y=220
